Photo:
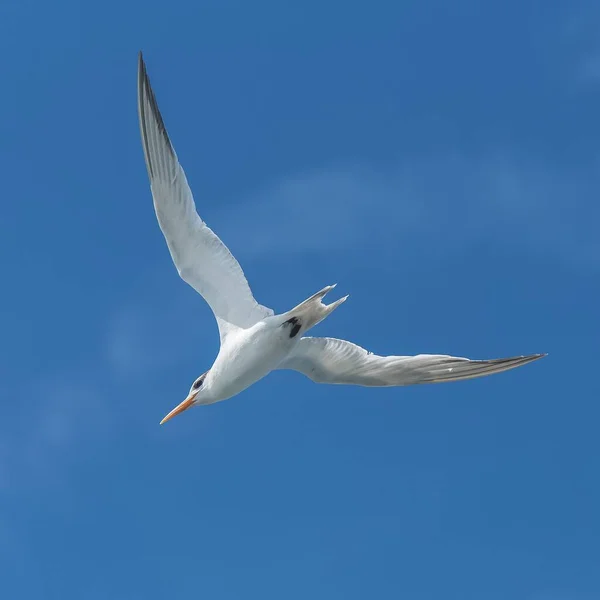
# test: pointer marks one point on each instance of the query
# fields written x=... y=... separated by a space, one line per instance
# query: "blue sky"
x=440 y=162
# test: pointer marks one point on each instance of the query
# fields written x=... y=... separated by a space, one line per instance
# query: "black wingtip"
x=532 y=358
x=146 y=94
x=141 y=64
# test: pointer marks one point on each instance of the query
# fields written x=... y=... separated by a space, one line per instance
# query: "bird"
x=255 y=341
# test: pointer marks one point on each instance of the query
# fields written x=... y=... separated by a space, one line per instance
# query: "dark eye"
x=197 y=383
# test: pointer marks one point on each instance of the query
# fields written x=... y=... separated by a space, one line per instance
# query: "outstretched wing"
x=201 y=258
x=329 y=360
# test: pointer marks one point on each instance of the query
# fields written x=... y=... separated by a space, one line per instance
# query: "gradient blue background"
x=440 y=162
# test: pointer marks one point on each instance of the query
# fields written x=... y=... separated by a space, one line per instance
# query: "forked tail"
x=312 y=311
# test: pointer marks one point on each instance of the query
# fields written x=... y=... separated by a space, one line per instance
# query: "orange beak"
x=189 y=401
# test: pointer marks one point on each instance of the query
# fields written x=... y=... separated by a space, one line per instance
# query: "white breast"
x=247 y=356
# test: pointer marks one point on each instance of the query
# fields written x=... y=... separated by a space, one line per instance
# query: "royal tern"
x=254 y=340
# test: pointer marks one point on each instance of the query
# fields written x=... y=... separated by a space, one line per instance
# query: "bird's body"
x=254 y=340
x=245 y=358
x=247 y=355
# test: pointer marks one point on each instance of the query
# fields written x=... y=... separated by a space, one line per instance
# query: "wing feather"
x=329 y=360
x=201 y=258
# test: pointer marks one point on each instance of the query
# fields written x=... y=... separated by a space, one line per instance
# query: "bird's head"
x=194 y=397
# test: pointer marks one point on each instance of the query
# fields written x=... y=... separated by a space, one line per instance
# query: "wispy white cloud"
x=75 y=413
x=589 y=68
x=579 y=43
x=157 y=327
x=67 y=412
x=450 y=201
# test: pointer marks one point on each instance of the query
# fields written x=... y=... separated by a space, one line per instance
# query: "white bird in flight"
x=254 y=340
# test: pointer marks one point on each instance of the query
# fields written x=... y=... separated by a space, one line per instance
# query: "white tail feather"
x=312 y=310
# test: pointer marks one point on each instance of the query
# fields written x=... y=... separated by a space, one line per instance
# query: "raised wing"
x=329 y=360
x=201 y=258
